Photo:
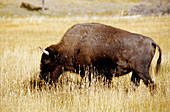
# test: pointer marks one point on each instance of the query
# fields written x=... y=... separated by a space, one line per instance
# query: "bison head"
x=50 y=68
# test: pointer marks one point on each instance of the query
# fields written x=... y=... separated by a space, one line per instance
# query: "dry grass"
x=62 y=8
x=20 y=59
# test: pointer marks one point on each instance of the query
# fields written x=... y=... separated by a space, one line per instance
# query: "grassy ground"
x=20 y=59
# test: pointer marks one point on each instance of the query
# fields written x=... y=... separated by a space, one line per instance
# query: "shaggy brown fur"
x=114 y=52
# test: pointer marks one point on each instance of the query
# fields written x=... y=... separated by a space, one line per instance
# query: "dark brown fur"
x=114 y=52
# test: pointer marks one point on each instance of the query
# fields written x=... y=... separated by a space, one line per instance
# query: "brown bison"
x=112 y=51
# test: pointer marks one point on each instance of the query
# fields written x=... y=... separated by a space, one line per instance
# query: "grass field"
x=20 y=59
x=66 y=7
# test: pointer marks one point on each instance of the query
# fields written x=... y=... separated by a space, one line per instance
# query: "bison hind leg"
x=149 y=82
x=146 y=79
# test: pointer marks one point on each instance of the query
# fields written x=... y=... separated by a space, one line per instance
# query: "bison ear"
x=44 y=51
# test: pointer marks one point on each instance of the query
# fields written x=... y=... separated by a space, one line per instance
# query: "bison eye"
x=46 y=61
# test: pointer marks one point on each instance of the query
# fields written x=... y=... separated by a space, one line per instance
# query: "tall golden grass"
x=20 y=59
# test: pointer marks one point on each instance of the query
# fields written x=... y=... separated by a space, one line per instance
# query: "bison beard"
x=114 y=52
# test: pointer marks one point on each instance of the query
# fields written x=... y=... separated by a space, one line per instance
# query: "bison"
x=112 y=51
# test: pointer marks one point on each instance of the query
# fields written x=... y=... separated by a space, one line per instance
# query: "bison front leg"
x=135 y=78
x=90 y=70
x=81 y=70
x=56 y=74
x=109 y=75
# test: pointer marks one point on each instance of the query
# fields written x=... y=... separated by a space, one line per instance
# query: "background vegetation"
x=20 y=38
x=62 y=8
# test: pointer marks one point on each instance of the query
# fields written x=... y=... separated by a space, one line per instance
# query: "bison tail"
x=159 y=59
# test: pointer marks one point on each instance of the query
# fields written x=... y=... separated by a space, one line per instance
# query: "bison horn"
x=44 y=51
